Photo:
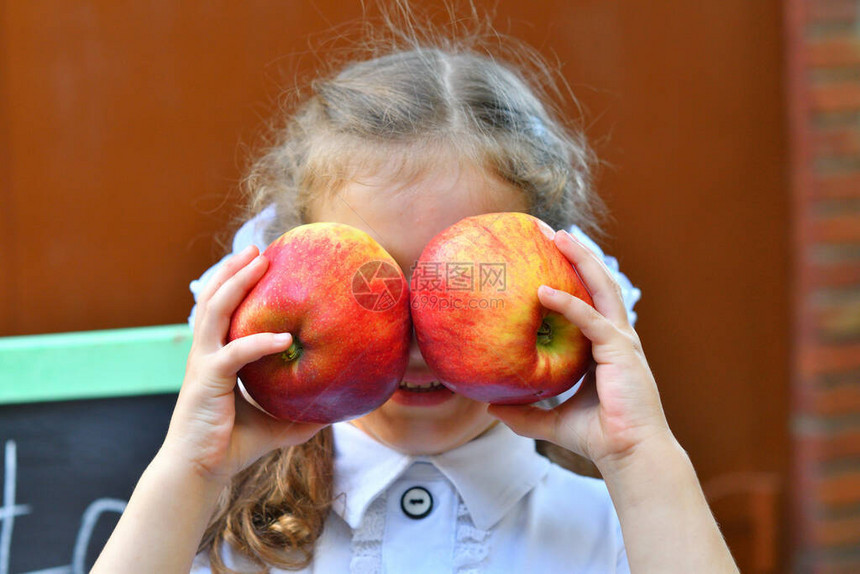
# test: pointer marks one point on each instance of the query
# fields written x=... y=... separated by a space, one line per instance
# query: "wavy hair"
x=414 y=97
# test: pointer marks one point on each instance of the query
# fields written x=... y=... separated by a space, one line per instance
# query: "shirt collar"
x=491 y=473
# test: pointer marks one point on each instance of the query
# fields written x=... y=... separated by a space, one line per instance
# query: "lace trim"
x=470 y=551
x=367 y=540
x=473 y=544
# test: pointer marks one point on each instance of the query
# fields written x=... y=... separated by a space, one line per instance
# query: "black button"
x=416 y=502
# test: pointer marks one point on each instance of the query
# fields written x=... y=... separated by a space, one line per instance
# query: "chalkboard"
x=68 y=469
x=81 y=416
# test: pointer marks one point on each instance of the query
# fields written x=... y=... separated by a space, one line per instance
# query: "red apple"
x=344 y=300
x=478 y=320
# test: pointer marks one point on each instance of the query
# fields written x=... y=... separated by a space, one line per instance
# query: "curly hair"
x=416 y=98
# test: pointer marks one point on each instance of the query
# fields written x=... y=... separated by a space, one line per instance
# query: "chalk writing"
x=9 y=510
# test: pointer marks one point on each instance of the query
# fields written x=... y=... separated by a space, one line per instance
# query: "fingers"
x=292 y=433
x=605 y=292
x=526 y=420
x=251 y=417
x=227 y=270
x=217 y=309
x=263 y=433
x=593 y=325
x=239 y=352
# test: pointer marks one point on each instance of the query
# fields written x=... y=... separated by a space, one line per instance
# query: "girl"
x=402 y=146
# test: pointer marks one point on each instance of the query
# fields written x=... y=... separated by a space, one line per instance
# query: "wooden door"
x=124 y=127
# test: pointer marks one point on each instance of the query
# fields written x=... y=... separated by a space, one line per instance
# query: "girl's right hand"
x=213 y=427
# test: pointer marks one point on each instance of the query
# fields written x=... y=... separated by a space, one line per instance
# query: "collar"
x=491 y=473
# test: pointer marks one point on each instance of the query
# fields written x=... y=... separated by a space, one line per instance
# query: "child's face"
x=403 y=218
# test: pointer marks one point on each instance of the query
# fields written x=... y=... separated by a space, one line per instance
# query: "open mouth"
x=421 y=390
x=420 y=387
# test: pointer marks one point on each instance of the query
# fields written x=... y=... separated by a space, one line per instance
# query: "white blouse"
x=493 y=505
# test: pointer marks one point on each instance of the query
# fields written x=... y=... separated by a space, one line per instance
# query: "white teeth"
x=415 y=386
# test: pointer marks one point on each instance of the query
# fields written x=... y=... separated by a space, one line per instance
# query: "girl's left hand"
x=618 y=408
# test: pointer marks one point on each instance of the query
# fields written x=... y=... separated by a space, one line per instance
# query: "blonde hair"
x=415 y=98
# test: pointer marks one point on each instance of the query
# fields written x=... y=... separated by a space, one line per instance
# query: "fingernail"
x=547 y=230
x=546 y=290
x=282 y=337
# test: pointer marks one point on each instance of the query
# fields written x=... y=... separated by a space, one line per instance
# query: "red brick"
x=838 y=319
x=837 y=565
x=839 y=489
x=823 y=359
x=833 y=52
x=831 y=10
x=840 y=445
x=834 y=274
x=842 y=186
x=836 y=142
x=839 y=228
x=837 y=532
x=835 y=97
x=828 y=260
x=841 y=400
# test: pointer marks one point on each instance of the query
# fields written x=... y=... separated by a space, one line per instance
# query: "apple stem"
x=293 y=353
x=544 y=334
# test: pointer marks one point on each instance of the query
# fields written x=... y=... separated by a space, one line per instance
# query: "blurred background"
x=730 y=136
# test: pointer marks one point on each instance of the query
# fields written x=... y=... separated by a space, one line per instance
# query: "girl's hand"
x=617 y=421
x=213 y=427
x=618 y=408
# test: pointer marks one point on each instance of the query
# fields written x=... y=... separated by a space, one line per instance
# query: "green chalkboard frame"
x=93 y=364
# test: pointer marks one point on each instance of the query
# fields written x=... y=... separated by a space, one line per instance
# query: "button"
x=416 y=502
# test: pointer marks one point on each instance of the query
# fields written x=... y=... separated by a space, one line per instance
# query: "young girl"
x=402 y=146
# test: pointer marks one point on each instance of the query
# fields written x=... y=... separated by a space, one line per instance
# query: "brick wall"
x=823 y=81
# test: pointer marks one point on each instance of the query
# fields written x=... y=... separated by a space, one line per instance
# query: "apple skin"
x=481 y=339
x=353 y=345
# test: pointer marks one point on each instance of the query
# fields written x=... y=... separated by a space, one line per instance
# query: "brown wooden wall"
x=122 y=134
